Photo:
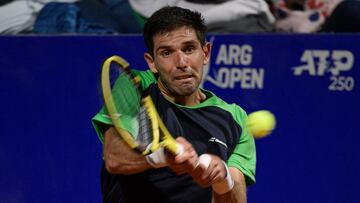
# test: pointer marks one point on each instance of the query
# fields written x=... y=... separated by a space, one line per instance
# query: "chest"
x=209 y=129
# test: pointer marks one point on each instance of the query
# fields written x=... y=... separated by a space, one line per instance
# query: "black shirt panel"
x=209 y=129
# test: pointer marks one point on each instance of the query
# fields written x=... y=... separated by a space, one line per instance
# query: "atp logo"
x=322 y=62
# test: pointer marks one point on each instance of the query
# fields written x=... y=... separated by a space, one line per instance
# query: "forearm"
x=119 y=158
x=238 y=192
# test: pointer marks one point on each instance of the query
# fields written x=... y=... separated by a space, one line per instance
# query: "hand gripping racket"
x=132 y=110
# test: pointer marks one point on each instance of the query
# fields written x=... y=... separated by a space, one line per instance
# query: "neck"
x=191 y=100
x=188 y=100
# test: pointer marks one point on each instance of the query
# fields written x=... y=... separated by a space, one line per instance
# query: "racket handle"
x=157 y=159
x=173 y=147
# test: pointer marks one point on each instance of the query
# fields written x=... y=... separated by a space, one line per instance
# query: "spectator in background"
x=292 y=16
x=344 y=18
x=87 y=16
x=18 y=16
x=222 y=16
x=127 y=16
x=67 y=16
x=310 y=16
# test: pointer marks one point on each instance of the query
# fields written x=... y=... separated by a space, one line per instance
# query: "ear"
x=150 y=61
x=207 y=51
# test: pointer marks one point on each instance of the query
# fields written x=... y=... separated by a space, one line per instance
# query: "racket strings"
x=144 y=137
x=126 y=95
x=134 y=117
x=126 y=99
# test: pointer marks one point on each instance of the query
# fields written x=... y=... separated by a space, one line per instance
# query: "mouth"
x=183 y=77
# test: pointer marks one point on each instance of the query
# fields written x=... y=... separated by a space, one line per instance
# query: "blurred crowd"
x=309 y=16
x=221 y=16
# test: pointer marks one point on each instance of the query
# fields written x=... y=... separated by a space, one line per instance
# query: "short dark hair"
x=170 y=18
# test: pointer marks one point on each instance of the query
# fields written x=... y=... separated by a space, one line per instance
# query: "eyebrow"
x=186 y=43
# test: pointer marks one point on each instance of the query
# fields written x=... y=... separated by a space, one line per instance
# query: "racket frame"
x=161 y=136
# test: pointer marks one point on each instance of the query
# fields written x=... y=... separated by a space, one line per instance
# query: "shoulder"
x=235 y=110
x=244 y=155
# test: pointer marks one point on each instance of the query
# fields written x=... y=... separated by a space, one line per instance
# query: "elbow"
x=111 y=168
x=117 y=166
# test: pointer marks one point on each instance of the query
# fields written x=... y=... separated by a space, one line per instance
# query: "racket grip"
x=157 y=159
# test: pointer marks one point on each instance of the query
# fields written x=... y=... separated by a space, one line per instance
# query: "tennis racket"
x=132 y=110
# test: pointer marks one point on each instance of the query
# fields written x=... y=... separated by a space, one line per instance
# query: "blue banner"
x=49 y=92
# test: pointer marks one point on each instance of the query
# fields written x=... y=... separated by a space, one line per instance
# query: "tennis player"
x=219 y=157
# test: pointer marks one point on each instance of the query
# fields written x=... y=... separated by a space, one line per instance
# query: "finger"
x=206 y=162
x=181 y=139
x=214 y=176
x=219 y=173
x=197 y=172
x=213 y=173
x=199 y=177
x=189 y=155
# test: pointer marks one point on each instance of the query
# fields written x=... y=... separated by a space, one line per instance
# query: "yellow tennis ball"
x=261 y=123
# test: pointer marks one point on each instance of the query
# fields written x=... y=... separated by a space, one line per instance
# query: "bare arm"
x=238 y=192
x=119 y=158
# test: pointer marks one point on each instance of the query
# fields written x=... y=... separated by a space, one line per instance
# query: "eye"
x=165 y=53
x=189 y=49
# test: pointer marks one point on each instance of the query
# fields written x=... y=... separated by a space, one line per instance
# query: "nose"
x=181 y=60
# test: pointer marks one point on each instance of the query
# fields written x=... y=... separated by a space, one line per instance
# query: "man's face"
x=178 y=59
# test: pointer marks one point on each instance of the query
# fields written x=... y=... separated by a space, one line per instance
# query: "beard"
x=181 y=86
